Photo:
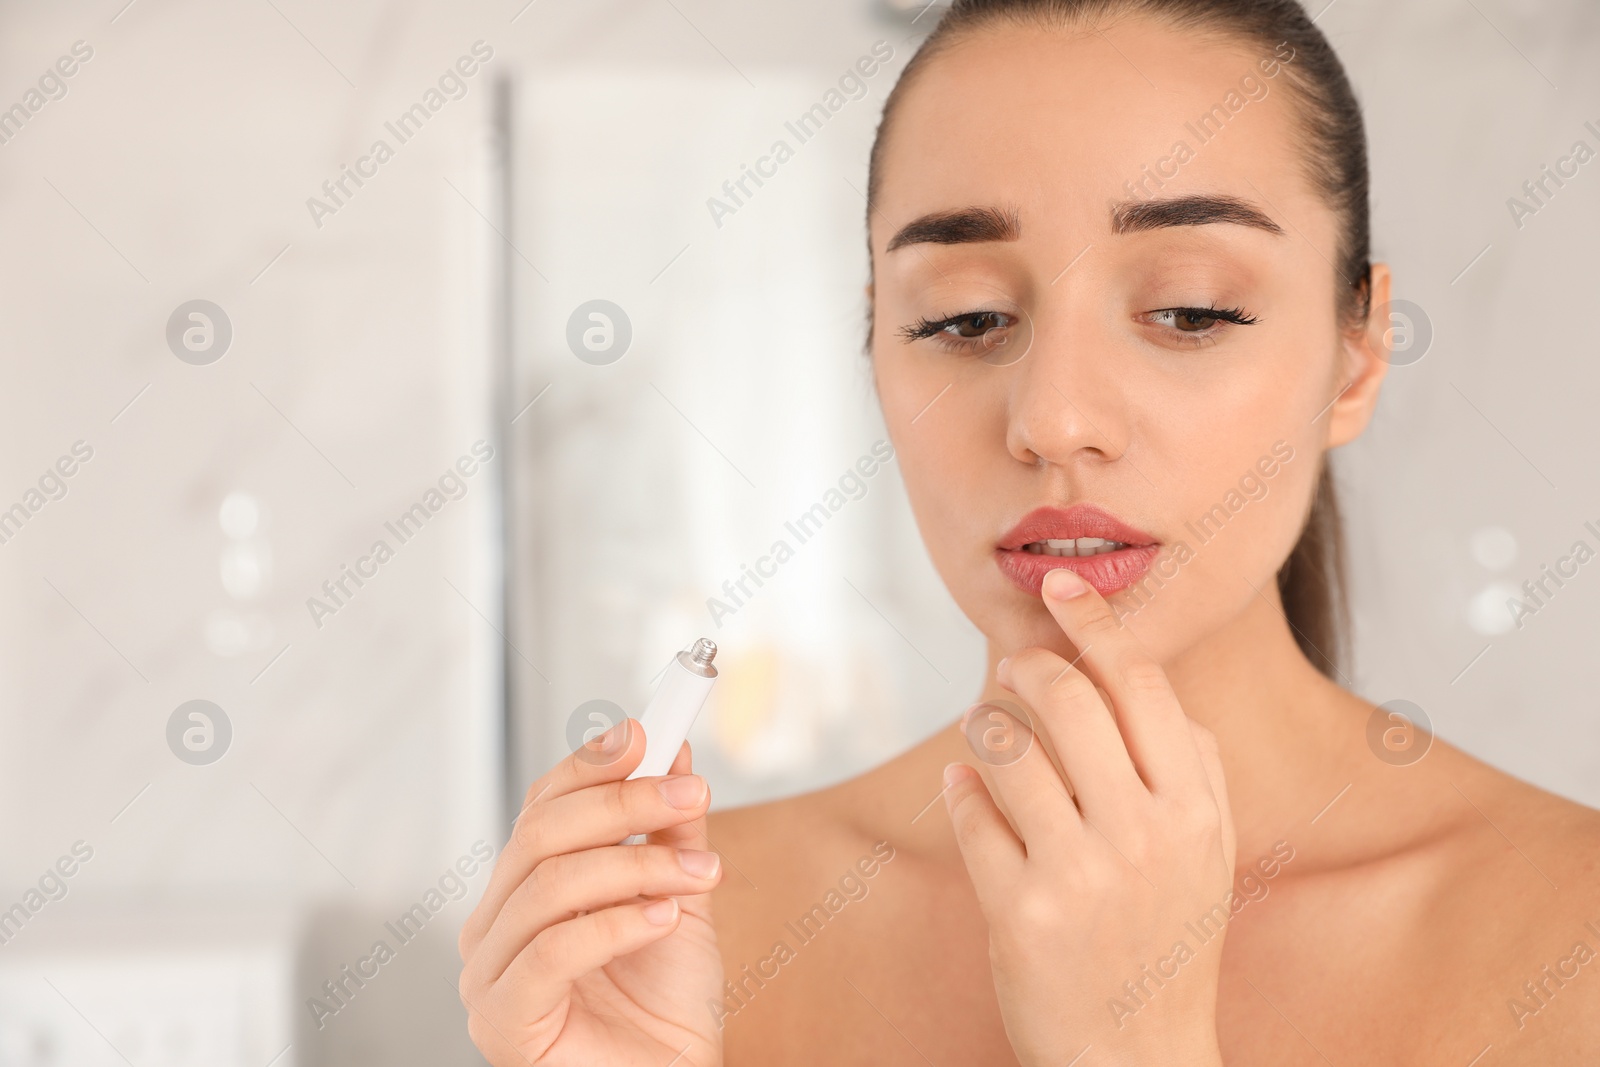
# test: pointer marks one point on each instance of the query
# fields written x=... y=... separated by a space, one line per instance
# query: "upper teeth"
x=1081 y=546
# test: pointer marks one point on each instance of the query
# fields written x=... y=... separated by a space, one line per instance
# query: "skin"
x=1386 y=908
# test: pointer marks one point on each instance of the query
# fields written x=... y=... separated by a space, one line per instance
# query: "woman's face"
x=1044 y=212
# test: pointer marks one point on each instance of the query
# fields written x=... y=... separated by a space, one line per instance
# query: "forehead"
x=1064 y=122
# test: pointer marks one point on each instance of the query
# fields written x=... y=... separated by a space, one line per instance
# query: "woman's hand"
x=583 y=951
x=1106 y=913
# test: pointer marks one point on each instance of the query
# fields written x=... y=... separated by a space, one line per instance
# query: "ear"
x=1363 y=362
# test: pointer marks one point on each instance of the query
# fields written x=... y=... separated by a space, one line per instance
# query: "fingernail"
x=683 y=791
x=698 y=863
x=949 y=777
x=661 y=912
x=1064 y=584
x=966 y=717
x=950 y=773
x=1000 y=668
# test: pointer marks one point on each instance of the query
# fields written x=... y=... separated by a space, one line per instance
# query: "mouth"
x=1073 y=546
x=1102 y=549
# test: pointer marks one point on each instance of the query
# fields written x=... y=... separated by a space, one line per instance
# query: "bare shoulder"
x=1543 y=839
x=789 y=915
x=1516 y=912
x=764 y=836
x=784 y=848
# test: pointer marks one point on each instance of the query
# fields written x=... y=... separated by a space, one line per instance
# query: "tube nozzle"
x=697 y=658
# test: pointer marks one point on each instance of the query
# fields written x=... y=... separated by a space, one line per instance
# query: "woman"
x=1121 y=311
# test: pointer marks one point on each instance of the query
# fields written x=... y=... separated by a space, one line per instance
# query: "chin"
x=1011 y=619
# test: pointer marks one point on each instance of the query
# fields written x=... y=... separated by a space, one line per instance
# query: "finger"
x=691 y=834
x=992 y=852
x=1211 y=760
x=601 y=814
x=611 y=756
x=543 y=972
x=683 y=762
x=1081 y=729
x=562 y=887
x=1152 y=723
x=1026 y=784
x=607 y=813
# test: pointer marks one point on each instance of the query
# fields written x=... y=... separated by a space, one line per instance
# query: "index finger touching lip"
x=1147 y=711
x=1085 y=617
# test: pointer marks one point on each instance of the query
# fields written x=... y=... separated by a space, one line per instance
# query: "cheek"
x=948 y=432
x=1230 y=523
x=938 y=443
x=1242 y=445
x=1235 y=529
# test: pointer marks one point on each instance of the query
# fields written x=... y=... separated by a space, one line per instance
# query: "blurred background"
x=517 y=344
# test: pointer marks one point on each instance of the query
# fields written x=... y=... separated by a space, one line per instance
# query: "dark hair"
x=1333 y=146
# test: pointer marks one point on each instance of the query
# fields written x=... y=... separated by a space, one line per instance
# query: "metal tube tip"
x=703 y=651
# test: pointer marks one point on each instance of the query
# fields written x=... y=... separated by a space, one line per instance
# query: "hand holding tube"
x=583 y=951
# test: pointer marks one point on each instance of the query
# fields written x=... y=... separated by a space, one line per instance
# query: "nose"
x=1066 y=403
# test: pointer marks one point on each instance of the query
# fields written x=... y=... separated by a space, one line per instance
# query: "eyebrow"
x=975 y=225
x=972 y=225
x=1136 y=216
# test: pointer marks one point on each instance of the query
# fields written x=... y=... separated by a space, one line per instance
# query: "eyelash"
x=1234 y=316
x=925 y=327
x=938 y=329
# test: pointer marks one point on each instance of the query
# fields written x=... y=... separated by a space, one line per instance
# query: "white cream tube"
x=672 y=710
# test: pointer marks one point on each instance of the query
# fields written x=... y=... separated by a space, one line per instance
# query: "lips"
x=1110 y=567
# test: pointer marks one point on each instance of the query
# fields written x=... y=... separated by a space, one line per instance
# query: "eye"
x=1189 y=325
x=971 y=331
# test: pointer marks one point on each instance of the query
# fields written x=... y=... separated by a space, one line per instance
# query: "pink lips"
x=1107 y=572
